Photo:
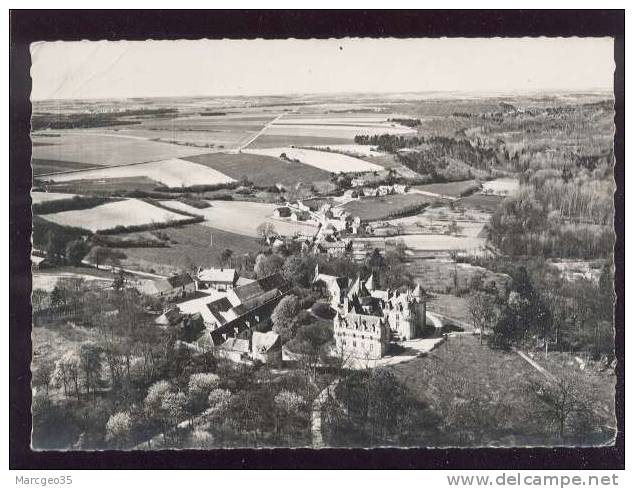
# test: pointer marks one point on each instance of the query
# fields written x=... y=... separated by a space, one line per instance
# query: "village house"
x=175 y=287
x=235 y=349
x=266 y=348
x=221 y=279
x=333 y=248
x=299 y=215
x=282 y=212
x=171 y=317
x=261 y=347
x=400 y=189
x=336 y=287
x=358 y=182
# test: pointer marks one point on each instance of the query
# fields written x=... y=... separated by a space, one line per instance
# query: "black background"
x=50 y=25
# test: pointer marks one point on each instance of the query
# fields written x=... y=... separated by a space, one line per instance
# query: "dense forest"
x=47 y=120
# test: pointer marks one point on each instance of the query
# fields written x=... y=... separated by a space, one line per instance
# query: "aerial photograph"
x=323 y=243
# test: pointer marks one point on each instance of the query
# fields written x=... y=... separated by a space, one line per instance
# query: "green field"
x=261 y=170
x=276 y=141
x=43 y=166
x=450 y=189
x=376 y=208
x=105 y=186
x=189 y=245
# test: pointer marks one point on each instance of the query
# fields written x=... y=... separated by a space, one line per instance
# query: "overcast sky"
x=231 y=67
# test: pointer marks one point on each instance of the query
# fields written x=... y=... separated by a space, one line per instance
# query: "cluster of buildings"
x=327 y=219
x=360 y=186
x=230 y=308
x=367 y=319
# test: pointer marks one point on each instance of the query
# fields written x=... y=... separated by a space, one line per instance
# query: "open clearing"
x=47 y=281
x=376 y=208
x=241 y=217
x=39 y=197
x=331 y=162
x=130 y=212
x=107 y=148
x=261 y=170
x=450 y=189
x=437 y=242
x=188 y=245
x=172 y=173
x=501 y=186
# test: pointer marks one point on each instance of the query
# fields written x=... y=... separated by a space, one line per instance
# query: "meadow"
x=107 y=148
x=241 y=217
x=450 y=189
x=189 y=245
x=171 y=173
x=259 y=169
x=39 y=197
x=501 y=186
x=330 y=162
x=45 y=166
x=380 y=208
x=131 y=212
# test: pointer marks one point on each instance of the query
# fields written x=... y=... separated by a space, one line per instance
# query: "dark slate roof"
x=259 y=287
x=219 y=305
x=180 y=280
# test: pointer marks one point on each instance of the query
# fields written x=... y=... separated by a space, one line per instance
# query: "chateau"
x=368 y=319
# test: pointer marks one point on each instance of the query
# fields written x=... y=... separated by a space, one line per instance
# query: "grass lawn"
x=261 y=170
x=450 y=306
x=189 y=246
x=482 y=396
x=375 y=208
x=450 y=189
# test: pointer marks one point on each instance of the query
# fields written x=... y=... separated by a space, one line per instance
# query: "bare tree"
x=482 y=311
x=560 y=401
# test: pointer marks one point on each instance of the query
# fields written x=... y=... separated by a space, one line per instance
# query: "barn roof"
x=180 y=280
x=224 y=275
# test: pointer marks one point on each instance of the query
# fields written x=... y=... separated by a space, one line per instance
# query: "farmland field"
x=188 y=245
x=261 y=170
x=42 y=167
x=437 y=243
x=333 y=131
x=172 y=173
x=450 y=189
x=486 y=203
x=349 y=149
x=376 y=208
x=131 y=212
x=331 y=162
x=241 y=217
x=38 y=197
x=275 y=141
x=107 y=148
x=105 y=186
